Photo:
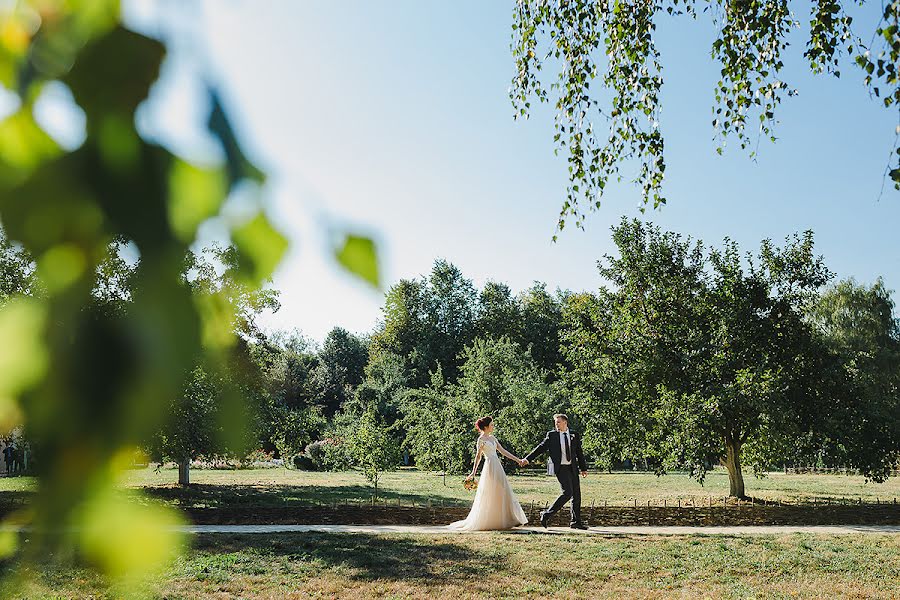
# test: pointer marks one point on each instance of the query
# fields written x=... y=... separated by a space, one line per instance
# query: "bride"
x=495 y=505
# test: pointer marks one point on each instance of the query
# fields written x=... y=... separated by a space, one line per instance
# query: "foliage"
x=859 y=326
x=609 y=69
x=328 y=454
x=371 y=448
x=693 y=354
x=498 y=378
x=541 y=321
x=439 y=427
x=89 y=376
x=198 y=422
x=428 y=322
x=340 y=369
x=16 y=270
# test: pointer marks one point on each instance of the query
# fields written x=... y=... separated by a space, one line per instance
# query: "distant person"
x=8 y=458
x=16 y=459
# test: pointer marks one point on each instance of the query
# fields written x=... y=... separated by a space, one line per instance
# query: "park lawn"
x=279 y=487
x=500 y=565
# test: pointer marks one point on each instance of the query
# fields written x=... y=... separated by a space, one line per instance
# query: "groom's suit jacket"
x=551 y=445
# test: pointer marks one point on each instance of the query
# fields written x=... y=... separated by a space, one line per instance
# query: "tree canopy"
x=598 y=63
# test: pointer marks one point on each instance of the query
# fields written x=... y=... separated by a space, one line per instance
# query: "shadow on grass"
x=362 y=556
x=14 y=500
x=277 y=495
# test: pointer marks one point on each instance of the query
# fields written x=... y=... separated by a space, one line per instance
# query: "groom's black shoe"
x=545 y=518
x=578 y=525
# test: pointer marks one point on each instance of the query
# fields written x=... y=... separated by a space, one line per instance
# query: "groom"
x=565 y=454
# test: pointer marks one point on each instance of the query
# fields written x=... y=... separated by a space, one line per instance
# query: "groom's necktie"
x=568 y=451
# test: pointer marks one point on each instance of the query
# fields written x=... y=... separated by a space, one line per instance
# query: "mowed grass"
x=282 y=487
x=505 y=565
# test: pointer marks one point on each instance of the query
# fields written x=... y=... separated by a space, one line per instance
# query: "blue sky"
x=393 y=118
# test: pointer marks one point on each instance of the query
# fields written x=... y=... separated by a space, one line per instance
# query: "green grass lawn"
x=500 y=565
x=282 y=487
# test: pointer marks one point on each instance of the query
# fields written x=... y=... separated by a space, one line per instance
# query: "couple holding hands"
x=495 y=505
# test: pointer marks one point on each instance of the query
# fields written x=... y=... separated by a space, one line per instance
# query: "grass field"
x=496 y=565
x=279 y=487
x=283 y=487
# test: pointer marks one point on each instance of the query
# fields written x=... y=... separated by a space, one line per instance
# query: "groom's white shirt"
x=563 y=436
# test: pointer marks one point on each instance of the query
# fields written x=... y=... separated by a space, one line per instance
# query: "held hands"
x=522 y=462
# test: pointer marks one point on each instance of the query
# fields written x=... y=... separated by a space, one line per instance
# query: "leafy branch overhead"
x=611 y=44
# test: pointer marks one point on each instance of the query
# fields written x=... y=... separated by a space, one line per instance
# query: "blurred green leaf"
x=130 y=541
x=127 y=58
x=23 y=356
x=23 y=147
x=358 y=255
x=61 y=266
x=238 y=165
x=9 y=542
x=217 y=318
x=195 y=195
x=261 y=247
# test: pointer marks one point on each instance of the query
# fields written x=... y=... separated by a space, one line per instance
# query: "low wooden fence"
x=396 y=512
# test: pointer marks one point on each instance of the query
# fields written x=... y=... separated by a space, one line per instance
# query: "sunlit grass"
x=511 y=565
x=283 y=487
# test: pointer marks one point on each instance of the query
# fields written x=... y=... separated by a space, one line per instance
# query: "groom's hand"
x=584 y=473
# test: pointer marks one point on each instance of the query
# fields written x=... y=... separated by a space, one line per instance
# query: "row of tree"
x=687 y=358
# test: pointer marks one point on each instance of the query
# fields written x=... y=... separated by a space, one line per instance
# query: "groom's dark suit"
x=565 y=474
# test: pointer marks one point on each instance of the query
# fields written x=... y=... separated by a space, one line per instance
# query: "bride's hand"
x=471 y=476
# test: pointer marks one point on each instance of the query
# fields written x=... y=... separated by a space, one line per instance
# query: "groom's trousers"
x=571 y=490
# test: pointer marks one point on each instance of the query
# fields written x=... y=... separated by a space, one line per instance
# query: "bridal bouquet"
x=470 y=484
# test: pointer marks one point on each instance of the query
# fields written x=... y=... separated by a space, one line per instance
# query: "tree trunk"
x=733 y=464
x=184 y=472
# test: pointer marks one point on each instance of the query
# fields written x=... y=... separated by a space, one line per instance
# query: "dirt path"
x=607 y=531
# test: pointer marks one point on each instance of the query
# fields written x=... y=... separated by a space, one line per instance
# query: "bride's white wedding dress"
x=495 y=505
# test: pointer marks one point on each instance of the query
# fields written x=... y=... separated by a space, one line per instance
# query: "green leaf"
x=359 y=256
x=261 y=247
x=23 y=147
x=195 y=195
x=128 y=58
x=238 y=165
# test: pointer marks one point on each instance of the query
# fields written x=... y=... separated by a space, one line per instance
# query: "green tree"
x=542 y=316
x=219 y=410
x=499 y=313
x=859 y=327
x=498 y=378
x=341 y=368
x=608 y=69
x=16 y=270
x=292 y=417
x=371 y=447
x=694 y=355
x=428 y=322
x=439 y=426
